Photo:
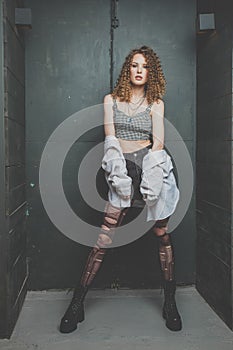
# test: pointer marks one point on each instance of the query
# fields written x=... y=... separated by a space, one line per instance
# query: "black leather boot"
x=75 y=311
x=170 y=312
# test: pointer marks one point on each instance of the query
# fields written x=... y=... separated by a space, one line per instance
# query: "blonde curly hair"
x=155 y=85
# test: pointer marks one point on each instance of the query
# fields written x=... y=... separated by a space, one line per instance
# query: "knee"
x=160 y=231
x=104 y=240
x=108 y=228
x=161 y=227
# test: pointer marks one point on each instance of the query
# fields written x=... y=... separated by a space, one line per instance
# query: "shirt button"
x=135 y=154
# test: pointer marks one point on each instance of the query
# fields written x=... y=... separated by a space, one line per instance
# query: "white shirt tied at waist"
x=158 y=185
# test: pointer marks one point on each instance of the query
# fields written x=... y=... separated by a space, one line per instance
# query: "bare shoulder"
x=108 y=99
x=158 y=106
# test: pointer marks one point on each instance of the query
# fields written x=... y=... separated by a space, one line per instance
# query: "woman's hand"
x=126 y=197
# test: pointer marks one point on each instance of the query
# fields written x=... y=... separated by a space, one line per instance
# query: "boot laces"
x=172 y=308
x=75 y=305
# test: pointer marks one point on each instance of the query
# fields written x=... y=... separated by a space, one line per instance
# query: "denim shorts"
x=134 y=167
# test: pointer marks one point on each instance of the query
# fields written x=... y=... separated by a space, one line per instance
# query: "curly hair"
x=155 y=85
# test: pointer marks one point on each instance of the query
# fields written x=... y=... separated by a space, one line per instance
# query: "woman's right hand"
x=126 y=197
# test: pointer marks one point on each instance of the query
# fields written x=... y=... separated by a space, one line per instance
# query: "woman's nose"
x=139 y=68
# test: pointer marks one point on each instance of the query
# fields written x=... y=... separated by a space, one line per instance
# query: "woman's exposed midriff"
x=128 y=146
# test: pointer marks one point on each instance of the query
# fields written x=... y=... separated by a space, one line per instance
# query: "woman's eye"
x=134 y=65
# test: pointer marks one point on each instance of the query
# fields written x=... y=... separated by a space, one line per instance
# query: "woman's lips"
x=138 y=77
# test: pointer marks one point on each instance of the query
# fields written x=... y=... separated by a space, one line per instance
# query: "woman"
x=134 y=163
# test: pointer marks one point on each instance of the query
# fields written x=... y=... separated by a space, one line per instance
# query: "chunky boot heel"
x=81 y=315
x=170 y=312
x=75 y=311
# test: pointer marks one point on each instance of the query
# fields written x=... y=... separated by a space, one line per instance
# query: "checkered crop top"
x=137 y=127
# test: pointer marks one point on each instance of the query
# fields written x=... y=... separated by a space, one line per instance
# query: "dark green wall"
x=68 y=68
x=214 y=160
x=3 y=250
x=168 y=27
x=14 y=272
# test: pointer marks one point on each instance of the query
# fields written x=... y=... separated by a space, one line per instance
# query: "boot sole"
x=174 y=329
x=63 y=328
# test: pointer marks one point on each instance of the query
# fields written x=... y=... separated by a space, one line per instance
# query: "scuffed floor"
x=118 y=319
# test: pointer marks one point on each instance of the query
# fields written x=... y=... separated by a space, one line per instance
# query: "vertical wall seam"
x=114 y=25
x=2 y=182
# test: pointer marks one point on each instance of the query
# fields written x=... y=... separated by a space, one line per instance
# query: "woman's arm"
x=109 y=128
x=158 y=125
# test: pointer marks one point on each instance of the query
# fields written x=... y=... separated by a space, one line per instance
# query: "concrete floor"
x=118 y=319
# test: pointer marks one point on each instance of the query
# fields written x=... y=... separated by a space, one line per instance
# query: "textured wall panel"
x=15 y=274
x=214 y=160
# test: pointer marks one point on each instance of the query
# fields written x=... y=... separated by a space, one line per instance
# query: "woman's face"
x=138 y=70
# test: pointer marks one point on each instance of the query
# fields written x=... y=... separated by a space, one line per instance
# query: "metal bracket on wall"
x=23 y=17
x=114 y=19
x=115 y=22
x=205 y=23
